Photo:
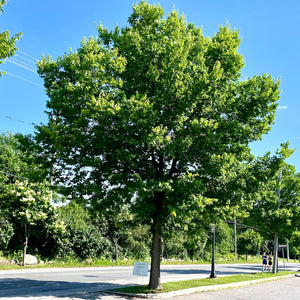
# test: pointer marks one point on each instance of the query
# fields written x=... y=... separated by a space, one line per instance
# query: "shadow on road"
x=226 y=270
x=29 y=288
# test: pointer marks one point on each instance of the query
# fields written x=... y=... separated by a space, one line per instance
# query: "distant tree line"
x=36 y=219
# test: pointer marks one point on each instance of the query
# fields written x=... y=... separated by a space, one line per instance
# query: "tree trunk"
x=154 y=282
x=25 y=244
x=275 y=260
x=115 y=240
x=235 y=242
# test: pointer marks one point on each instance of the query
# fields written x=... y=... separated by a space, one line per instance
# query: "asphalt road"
x=81 y=283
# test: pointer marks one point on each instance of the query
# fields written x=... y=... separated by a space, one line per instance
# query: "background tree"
x=117 y=220
x=249 y=242
x=150 y=113
x=138 y=242
x=6 y=232
x=83 y=238
x=25 y=204
x=295 y=244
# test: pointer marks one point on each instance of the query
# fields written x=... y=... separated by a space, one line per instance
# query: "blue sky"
x=270 y=44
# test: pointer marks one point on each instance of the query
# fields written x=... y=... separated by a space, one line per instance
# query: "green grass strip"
x=187 y=284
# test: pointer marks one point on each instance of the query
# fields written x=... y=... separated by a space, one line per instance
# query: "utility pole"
x=275 y=268
x=287 y=251
x=235 y=244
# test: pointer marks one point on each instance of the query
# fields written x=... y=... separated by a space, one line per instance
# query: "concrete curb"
x=200 y=289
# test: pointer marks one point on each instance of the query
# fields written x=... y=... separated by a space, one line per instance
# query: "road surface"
x=43 y=283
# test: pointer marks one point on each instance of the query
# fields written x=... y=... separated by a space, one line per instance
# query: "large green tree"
x=150 y=114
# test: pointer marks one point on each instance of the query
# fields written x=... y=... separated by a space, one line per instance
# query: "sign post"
x=282 y=251
x=140 y=268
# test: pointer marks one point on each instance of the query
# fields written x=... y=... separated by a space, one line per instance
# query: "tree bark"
x=25 y=244
x=154 y=282
x=158 y=201
x=235 y=243
x=115 y=240
x=275 y=260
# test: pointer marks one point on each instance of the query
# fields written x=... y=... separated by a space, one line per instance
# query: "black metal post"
x=213 y=273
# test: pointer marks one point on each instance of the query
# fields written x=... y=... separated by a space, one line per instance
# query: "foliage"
x=117 y=220
x=155 y=116
x=249 y=242
x=224 y=238
x=6 y=232
x=7 y=42
x=26 y=204
x=277 y=204
x=295 y=244
x=137 y=243
x=81 y=239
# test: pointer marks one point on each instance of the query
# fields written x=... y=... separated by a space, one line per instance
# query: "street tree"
x=147 y=115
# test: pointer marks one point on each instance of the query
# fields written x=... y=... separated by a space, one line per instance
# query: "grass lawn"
x=186 y=284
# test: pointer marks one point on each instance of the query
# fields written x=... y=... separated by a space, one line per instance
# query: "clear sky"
x=270 y=32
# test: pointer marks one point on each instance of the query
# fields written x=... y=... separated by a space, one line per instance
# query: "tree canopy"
x=151 y=114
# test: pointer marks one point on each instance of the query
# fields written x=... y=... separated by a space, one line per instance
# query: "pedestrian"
x=270 y=261
x=264 y=261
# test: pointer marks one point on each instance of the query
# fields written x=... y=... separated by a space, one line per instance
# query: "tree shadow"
x=232 y=269
x=29 y=288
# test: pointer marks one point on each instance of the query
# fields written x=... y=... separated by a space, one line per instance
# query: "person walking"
x=264 y=262
x=270 y=262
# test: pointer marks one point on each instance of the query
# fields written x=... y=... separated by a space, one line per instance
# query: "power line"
x=11 y=118
x=21 y=65
x=25 y=65
x=22 y=78
x=24 y=58
x=21 y=62
x=27 y=55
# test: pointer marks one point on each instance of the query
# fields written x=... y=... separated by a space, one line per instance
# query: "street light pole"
x=213 y=273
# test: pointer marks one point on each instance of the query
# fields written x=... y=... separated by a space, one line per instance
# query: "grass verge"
x=187 y=284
